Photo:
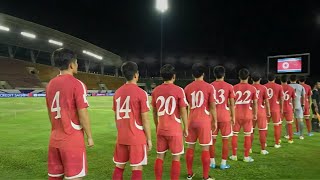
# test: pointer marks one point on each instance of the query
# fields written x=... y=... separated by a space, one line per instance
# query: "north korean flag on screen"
x=289 y=65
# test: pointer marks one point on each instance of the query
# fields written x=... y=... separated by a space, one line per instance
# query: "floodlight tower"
x=162 y=7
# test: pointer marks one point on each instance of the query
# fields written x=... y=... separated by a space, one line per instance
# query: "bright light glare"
x=92 y=54
x=55 y=42
x=162 y=5
x=4 y=28
x=29 y=35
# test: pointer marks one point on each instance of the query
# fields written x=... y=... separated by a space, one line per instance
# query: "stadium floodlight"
x=29 y=35
x=4 y=28
x=92 y=54
x=162 y=5
x=55 y=42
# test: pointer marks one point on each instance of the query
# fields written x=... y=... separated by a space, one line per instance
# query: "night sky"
x=246 y=32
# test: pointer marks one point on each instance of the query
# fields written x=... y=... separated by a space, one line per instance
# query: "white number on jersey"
x=164 y=103
x=221 y=96
x=270 y=93
x=246 y=100
x=286 y=95
x=197 y=99
x=57 y=109
x=125 y=108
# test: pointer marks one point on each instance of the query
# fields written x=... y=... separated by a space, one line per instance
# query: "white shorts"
x=298 y=113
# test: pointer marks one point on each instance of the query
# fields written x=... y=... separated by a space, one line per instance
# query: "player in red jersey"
x=131 y=107
x=67 y=109
x=169 y=107
x=275 y=94
x=263 y=112
x=246 y=112
x=225 y=116
x=308 y=100
x=288 y=106
x=202 y=116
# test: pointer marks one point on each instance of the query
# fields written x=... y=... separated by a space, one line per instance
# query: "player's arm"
x=184 y=117
x=155 y=116
x=281 y=101
x=267 y=104
x=147 y=129
x=232 y=110
x=213 y=113
x=85 y=123
x=255 y=109
x=314 y=102
x=49 y=114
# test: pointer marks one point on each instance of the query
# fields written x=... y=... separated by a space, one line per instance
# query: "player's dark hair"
x=167 y=72
x=271 y=77
x=293 y=77
x=302 y=79
x=255 y=77
x=129 y=69
x=244 y=74
x=284 y=78
x=219 y=72
x=63 y=57
x=198 y=70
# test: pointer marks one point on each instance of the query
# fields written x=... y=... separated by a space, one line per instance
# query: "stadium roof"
x=85 y=50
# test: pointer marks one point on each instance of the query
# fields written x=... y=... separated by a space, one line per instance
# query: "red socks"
x=225 y=148
x=290 y=131
x=276 y=134
x=234 y=144
x=308 y=125
x=252 y=137
x=117 y=174
x=205 y=158
x=247 y=145
x=189 y=160
x=175 y=170
x=212 y=149
x=56 y=178
x=263 y=139
x=136 y=175
x=158 y=168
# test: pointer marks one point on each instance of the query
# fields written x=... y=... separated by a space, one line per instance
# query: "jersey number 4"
x=56 y=100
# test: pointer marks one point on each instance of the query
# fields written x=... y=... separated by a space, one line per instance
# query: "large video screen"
x=289 y=65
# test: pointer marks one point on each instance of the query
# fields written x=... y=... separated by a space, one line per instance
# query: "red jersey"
x=168 y=99
x=129 y=102
x=289 y=95
x=199 y=95
x=262 y=96
x=224 y=92
x=308 y=91
x=244 y=95
x=275 y=94
x=65 y=95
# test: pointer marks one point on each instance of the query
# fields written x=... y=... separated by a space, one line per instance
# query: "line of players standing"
x=204 y=109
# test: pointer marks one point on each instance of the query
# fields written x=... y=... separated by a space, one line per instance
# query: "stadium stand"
x=23 y=74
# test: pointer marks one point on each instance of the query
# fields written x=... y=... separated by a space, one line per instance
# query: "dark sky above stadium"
x=246 y=31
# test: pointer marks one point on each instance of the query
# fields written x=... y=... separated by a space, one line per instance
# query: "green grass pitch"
x=24 y=135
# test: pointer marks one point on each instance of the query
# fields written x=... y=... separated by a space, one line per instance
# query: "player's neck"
x=293 y=82
x=284 y=83
x=258 y=82
x=131 y=82
x=199 y=79
x=244 y=81
x=168 y=82
x=64 y=72
x=221 y=79
x=271 y=81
